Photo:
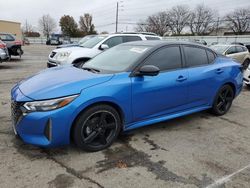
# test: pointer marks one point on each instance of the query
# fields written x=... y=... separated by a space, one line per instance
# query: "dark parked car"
x=129 y=86
x=14 y=46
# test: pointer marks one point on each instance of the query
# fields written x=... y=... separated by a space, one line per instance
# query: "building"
x=13 y=28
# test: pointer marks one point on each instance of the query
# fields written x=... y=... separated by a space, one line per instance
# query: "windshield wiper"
x=91 y=69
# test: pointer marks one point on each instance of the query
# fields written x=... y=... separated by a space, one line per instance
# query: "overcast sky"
x=131 y=11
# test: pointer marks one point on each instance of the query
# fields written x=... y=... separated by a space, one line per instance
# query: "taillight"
x=2 y=45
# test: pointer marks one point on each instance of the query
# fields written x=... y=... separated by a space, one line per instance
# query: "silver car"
x=91 y=48
x=4 y=55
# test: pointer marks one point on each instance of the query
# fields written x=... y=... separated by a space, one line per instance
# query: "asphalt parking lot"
x=198 y=150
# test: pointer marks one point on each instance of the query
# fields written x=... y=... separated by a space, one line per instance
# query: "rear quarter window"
x=195 y=56
x=211 y=56
x=131 y=38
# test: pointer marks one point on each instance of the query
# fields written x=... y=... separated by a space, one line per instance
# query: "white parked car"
x=238 y=52
x=247 y=76
x=91 y=48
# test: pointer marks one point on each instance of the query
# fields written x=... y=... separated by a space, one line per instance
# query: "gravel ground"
x=198 y=150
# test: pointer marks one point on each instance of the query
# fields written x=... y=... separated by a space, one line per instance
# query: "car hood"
x=59 y=82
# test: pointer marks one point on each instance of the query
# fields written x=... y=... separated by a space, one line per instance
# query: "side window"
x=211 y=56
x=195 y=56
x=153 y=38
x=166 y=58
x=111 y=42
x=131 y=38
x=6 y=37
x=3 y=37
x=239 y=49
x=244 y=49
x=231 y=50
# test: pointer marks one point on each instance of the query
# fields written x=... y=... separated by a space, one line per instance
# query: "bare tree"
x=179 y=17
x=157 y=23
x=27 y=28
x=202 y=20
x=86 y=24
x=47 y=25
x=239 y=20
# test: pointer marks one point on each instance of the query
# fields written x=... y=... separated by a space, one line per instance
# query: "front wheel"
x=97 y=128
x=223 y=100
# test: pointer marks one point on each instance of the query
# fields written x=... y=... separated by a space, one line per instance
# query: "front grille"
x=16 y=111
x=52 y=54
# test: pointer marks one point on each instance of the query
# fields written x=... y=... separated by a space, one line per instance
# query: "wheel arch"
x=80 y=59
x=112 y=104
x=232 y=85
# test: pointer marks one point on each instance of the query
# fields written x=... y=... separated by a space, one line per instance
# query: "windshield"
x=219 y=49
x=84 y=39
x=116 y=59
x=93 y=41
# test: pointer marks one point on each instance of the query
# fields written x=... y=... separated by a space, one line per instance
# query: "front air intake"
x=48 y=130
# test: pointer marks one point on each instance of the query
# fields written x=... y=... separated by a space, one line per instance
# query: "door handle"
x=219 y=71
x=181 y=78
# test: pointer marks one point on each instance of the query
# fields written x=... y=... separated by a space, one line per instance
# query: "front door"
x=166 y=93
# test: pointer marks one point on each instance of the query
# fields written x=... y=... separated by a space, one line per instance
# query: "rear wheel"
x=97 y=128
x=223 y=100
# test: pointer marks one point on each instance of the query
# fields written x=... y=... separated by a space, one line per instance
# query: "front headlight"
x=47 y=105
x=62 y=56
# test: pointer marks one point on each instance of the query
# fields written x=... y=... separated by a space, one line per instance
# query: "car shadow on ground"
x=10 y=64
x=124 y=137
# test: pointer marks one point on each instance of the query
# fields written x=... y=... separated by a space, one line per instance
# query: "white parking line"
x=226 y=178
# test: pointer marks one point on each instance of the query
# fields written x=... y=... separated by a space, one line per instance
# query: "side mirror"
x=148 y=70
x=104 y=47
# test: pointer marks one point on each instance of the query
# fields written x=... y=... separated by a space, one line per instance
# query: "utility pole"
x=217 y=26
x=117 y=12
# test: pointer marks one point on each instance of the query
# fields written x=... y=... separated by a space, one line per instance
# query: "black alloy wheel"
x=223 y=100
x=97 y=128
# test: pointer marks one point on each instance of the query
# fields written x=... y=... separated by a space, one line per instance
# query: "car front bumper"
x=247 y=76
x=4 y=54
x=45 y=129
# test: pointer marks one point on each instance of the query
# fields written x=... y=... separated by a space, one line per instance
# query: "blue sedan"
x=127 y=87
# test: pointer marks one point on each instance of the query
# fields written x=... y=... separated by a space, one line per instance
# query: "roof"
x=228 y=45
x=10 y=21
x=130 y=34
x=161 y=43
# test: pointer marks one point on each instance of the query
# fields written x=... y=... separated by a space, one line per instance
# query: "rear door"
x=203 y=75
x=234 y=53
x=154 y=96
x=242 y=52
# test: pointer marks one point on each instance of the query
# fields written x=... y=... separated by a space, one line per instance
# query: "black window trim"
x=194 y=46
x=140 y=64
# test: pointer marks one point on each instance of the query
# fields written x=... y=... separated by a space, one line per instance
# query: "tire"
x=245 y=64
x=223 y=100
x=97 y=128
